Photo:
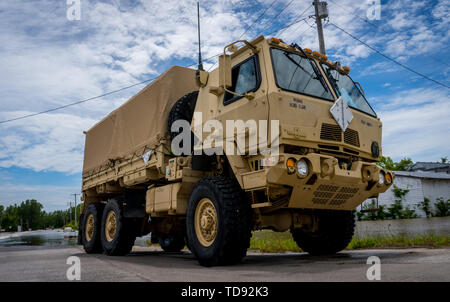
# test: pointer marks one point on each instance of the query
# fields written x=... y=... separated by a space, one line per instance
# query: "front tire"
x=117 y=233
x=335 y=231
x=218 y=221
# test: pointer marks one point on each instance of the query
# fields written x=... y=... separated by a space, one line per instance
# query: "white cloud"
x=52 y=142
x=416 y=124
x=52 y=197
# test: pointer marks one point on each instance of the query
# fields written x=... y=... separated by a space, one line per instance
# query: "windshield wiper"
x=333 y=81
x=297 y=64
x=314 y=67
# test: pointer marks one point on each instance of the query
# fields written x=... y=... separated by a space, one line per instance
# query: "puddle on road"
x=49 y=238
x=40 y=238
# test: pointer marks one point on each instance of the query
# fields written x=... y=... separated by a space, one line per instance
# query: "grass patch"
x=429 y=240
x=273 y=242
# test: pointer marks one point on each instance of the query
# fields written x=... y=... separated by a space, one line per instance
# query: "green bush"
x=425 y=205
x=380 y=214
x=442 y=207
x=396 y=210
x=72 y=225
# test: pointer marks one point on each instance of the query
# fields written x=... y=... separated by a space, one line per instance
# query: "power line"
x=276 y=16
x=88 y=99
x=380 y=28
x=75 y=103
x=257 y=19
x=282 y=29
x=389 y=58
x=308 y=28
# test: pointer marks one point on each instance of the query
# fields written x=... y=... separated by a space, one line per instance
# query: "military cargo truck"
x=328 y=142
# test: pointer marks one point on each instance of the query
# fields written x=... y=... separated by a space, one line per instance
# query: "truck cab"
x=321 y=165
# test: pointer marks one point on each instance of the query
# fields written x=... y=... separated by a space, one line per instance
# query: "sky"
x=47 y=60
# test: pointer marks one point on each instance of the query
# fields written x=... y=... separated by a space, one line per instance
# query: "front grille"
x=333 y=195
x=351 y=137
x=331 y=132
x=324 y=193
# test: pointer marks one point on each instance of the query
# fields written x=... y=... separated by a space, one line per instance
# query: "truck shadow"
x=253 y=261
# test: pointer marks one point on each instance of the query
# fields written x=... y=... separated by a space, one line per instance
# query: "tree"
x=444 y=160
x=11 y=218
x=405 y=164
x=31 y=213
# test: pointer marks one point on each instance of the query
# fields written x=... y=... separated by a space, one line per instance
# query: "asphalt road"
x=31 y=263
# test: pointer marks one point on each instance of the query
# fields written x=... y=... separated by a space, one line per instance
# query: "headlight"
x=382 y=178
x=302 y=168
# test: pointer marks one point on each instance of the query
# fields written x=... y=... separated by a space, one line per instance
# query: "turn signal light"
x=276 y=40
x=388 y=178
x=346 y=68
x=307 y=50
x=290 y=165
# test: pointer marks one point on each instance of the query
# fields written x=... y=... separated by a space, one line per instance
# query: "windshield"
x=345 y=87
x=298 y=74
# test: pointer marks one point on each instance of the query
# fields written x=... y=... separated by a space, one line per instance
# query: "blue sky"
x=48 y=61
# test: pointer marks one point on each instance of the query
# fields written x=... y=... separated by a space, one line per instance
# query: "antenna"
x=200 y=64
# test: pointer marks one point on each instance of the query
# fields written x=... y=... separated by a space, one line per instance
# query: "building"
x=431 y=167
x=420 y=185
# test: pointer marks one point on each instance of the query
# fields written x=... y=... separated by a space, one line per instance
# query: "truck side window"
x=245 y=78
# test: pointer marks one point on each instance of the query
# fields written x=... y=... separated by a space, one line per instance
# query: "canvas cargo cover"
x=138 y=123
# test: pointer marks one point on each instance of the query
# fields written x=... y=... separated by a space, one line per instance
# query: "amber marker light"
x=388 y=178
x=276 y=40
x=290 y=164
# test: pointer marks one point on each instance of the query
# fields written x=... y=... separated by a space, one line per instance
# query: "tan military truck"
x=329 y=139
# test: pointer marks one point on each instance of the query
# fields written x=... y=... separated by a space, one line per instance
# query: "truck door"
x=248 y=75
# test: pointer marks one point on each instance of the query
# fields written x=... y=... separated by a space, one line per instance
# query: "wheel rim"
x=89 y=227
x=110 y=226
x=206 y=222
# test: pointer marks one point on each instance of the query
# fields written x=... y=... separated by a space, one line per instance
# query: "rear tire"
x=91 y=226
x=335 y=231
x=117 y=233
x=218 y=221
x=172 y=242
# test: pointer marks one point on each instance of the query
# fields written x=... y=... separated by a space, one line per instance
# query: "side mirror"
x=225 y=80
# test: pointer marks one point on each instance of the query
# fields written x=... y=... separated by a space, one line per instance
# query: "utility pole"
x=75 y=195
x=321 y=13
x=70 y=211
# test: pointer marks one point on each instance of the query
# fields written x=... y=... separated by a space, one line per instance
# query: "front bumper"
x=327 y=185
